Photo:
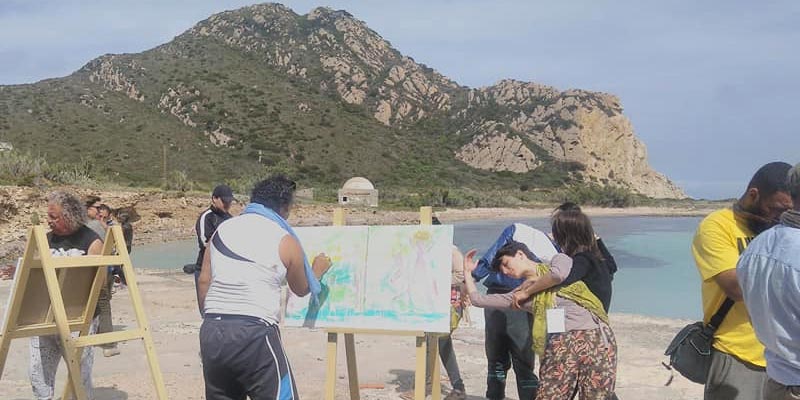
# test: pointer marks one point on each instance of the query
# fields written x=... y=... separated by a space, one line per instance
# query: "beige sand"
x=382 y=360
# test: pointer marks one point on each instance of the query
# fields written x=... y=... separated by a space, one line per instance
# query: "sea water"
x=656 y=277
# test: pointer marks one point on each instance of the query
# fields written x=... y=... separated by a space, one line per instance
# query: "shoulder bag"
x=690 y=351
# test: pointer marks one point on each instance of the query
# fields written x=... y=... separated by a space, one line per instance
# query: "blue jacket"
x=538 y=243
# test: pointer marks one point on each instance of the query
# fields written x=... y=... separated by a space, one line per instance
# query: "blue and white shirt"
x=769 y=274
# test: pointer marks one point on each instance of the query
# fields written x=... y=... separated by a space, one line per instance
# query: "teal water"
x=656 y=277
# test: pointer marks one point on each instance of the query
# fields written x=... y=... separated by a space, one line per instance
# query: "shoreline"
x=163 y=217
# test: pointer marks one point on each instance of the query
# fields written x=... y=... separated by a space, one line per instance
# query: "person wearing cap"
x=209 y=220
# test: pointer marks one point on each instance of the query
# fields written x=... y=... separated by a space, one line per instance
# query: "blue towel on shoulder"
x=313 y=284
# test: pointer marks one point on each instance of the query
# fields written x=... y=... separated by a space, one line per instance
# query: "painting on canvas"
x=382 y=277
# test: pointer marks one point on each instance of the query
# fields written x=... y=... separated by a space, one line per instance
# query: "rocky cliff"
x=261 y=80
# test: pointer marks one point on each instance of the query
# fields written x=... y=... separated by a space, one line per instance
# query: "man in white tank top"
x=239 y=291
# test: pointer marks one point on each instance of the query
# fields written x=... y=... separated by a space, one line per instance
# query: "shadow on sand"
x=109 y=393
x=404 y=379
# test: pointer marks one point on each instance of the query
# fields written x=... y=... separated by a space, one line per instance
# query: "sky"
x=711 y=87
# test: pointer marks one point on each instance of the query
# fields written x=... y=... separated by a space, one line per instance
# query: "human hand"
x=526 y=289
x=321 y=264
x=469 y=261
x=7 y=272
x=518 y=298
x=465 y=301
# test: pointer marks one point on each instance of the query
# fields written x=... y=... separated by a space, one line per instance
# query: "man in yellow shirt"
x=737 y=363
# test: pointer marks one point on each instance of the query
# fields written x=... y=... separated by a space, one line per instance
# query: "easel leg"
x=73 y=364
x=138 y=308
x=5 y=343
x=330 y=374
x=78 y=355
x=433 y=350
x=352 y=367
x=419 y=375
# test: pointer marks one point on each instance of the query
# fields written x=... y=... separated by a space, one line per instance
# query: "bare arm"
x=729 y=283
x=204 y=280
x=292 y=257
x=95 y=248
x=560 y=267
x=542 y=283
x=476 y=298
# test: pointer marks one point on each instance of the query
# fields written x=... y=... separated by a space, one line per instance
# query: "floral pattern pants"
x=46 y=353
x=585 y=360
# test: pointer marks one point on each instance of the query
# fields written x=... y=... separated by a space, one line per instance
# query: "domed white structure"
x=358 y=191
x=358 y=183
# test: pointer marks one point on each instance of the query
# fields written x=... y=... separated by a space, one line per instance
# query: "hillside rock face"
x=496 y=151
x=510 y=126
x=579 y=126
x=363 y=69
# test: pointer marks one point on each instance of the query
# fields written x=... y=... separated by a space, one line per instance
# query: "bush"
x=602 y=196
x=21 y=169
x=179 y=180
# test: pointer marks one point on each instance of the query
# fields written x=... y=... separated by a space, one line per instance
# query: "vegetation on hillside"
x=79 y=130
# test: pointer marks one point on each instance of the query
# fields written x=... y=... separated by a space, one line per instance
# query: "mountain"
x=322 y=97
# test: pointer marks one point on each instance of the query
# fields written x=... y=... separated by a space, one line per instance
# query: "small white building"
x=358 y=191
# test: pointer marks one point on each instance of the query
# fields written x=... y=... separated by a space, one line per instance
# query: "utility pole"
x=164 y=167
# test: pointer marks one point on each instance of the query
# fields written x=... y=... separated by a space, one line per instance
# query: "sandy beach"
x=386 y=362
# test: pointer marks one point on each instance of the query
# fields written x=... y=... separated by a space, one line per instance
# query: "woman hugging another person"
x=569 y=300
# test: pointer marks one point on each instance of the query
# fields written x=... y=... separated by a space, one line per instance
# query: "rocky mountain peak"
x=511 y=126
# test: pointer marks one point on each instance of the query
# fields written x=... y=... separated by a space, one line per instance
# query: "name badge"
x=556 y=320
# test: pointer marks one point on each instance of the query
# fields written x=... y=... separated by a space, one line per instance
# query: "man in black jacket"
x=209 y=220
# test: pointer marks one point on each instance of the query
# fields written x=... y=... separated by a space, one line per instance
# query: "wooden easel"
x=422 y=341
x=32 y=312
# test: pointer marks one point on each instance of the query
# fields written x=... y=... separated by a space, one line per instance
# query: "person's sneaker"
x=456 y=394
x=110 y=352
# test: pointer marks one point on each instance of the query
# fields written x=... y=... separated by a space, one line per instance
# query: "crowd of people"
x=547 y=295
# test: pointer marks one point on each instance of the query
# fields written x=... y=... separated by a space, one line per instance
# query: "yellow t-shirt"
x=716 y=247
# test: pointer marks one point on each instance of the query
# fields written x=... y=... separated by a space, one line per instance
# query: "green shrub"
x=21 y=168
x=596 y=195
x=179 y=180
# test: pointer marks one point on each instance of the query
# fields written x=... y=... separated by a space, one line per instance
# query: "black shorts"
x=243 y=357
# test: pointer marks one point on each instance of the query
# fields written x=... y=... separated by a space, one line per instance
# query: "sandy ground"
x=383 y=361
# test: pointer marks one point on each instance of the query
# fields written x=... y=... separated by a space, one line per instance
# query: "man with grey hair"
x=68 y=236
x=769 y=274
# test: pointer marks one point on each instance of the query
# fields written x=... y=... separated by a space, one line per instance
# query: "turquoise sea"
x=656 y=276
